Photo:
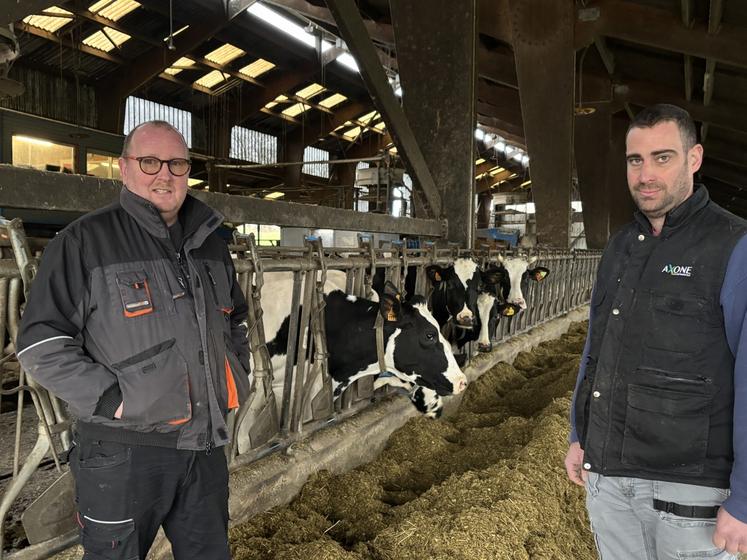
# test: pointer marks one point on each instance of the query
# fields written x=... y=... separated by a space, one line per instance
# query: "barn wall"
x=53 y=96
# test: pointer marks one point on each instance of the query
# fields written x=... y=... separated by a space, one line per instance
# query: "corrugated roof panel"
x=310 y=91
x=257 y=68
x=380 y=126
x=100 y=41
x=50 y=23
x=224 y=54
x=332 y=100
x=175 y=68
x=296 y=109
x=211 y=79
x=113 y=10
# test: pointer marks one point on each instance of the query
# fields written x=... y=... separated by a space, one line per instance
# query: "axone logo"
x=678 y=270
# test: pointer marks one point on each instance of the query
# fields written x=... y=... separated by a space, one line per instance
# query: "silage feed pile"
x=487 y=483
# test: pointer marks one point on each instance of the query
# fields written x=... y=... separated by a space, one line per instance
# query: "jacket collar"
x=679 y=215
x=197 y=218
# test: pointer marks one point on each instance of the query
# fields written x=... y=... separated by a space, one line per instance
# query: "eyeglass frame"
x=161 y=161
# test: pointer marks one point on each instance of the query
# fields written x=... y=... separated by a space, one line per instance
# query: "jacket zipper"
x=214 y=285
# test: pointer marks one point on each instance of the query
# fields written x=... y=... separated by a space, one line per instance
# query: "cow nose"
x=484 y=347
x=465 y=320
x=460 y=385
x=520 y=302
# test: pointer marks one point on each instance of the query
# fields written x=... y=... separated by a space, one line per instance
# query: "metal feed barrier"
x=304 y=402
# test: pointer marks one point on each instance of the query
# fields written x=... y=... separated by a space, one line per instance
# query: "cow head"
x=455 y=291
x=511 y=279
x=417 y=351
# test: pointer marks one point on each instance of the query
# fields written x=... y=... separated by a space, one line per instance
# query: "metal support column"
x=353 y=31
x=436 y=42
x=592 y=144
x=545 y=67
x=620 y=201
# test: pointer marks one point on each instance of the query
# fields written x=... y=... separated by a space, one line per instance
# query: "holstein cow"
x=455 y=290
x=413 y=353
x=509 y=279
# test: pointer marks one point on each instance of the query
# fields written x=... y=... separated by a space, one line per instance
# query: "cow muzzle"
x=460 y=384
x=484 y=347
x=464 y=321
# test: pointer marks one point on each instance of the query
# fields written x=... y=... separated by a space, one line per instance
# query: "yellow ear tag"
x=437 y=276
x=399 y=297
x=391 y=315
x=509 y=311
x=540 y=275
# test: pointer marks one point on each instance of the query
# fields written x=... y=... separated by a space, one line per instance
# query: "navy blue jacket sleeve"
x=573 y=437
x=734 y=305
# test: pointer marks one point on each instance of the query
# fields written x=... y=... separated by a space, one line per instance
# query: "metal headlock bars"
x=264 y=423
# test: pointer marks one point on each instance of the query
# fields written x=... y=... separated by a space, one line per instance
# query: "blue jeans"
x=626 y=526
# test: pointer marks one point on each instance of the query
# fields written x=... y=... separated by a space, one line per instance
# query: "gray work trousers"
x=627 y=527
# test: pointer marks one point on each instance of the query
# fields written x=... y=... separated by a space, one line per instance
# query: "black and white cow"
x=509 y=279
x=455 y=290
x=415 y=353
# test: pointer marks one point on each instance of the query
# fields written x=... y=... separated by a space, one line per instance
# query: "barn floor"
x=486 y=483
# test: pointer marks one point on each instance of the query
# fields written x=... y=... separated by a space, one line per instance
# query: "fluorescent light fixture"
x=525 y=160
x=348 y=61
x=526 y=183
x=479 y=134
x=500 y=147
x=284 y=24
x=275 y=194
x=398 y=91
x=36 y=141
x=517 y=156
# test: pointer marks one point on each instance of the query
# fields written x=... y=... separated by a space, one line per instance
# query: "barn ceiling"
x=630 y=53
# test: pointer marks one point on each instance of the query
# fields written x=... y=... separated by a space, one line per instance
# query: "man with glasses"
x=136 y=320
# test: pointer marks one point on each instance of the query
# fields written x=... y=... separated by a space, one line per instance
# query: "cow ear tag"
x=437 y=276
x=508 y=312
x=391 y=315
x=540 y=273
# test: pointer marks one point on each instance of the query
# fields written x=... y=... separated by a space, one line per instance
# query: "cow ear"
x=435 y=273
x=390 y=305
x=539 y=273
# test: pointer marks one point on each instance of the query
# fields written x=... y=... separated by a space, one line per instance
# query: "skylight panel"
x=257 y=68
x=332 y=100
x=211 y=79
x=296 y=109
x=368 y=117
x=114 y=10
x=353 y=133
x=50 y=23
x=177 y=66
x=102 y=41
x=310 y=91
x=224 y=54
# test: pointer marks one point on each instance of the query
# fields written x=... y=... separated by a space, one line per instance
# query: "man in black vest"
x=660 y=405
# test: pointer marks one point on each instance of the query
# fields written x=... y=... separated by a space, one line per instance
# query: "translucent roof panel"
x=310 y=91
x=368 y=117
x=380 y=126
x=103 y=42
x=353 y=133
x=211 y=79
x=257 y=68
x=332 y=100
x=224 y=54
x=50 y=23
x=177 y=66
x=296 y=109
x=113 y=10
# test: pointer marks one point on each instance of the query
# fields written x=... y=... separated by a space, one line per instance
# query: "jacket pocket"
x=155 y=386
x=682 y=323
x=666 y=429
x=135 y=293
x=237 y=384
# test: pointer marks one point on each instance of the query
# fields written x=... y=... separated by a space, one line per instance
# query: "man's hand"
x=574 y=460
x=731 y=533
x=118 y=414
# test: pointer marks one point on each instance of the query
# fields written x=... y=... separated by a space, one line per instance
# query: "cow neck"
x=380 y=351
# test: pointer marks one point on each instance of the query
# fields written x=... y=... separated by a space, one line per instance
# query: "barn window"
x=138 y=111
x=318 y=169
x=252 y=145
x=41 y=154
x=102 y=165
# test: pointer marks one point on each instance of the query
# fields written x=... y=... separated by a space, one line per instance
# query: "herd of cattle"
x=419 y=340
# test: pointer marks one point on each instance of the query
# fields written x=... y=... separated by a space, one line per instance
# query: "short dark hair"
x=154 y=123
x=663 y=112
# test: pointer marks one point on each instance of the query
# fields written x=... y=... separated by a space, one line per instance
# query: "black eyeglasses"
x=152 y=165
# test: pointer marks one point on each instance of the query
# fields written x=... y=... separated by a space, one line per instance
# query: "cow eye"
x=430 y=336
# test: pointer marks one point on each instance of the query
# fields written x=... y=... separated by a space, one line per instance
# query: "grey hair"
x=157 y=124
